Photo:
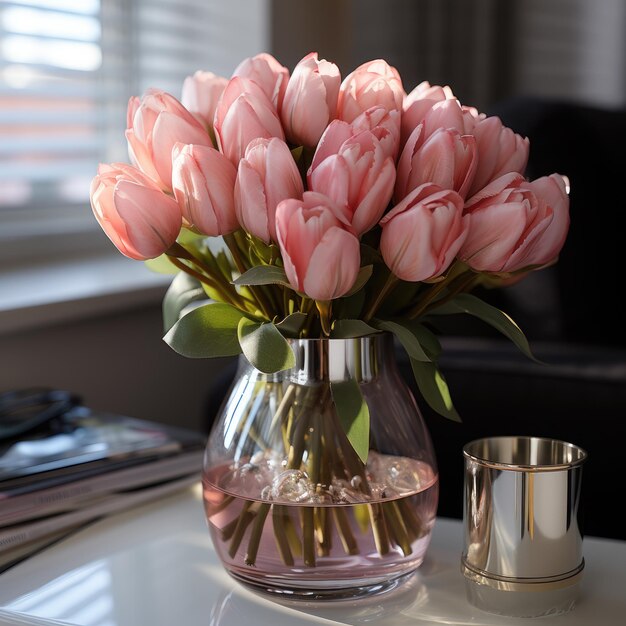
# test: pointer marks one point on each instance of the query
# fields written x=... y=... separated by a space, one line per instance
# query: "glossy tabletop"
x=155 y=566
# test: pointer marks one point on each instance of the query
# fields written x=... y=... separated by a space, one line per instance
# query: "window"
x=67 y=69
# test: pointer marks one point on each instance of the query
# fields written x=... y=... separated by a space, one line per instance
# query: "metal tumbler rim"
x=477 y=451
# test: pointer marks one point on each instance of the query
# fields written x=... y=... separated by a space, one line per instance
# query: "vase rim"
x=374 y=335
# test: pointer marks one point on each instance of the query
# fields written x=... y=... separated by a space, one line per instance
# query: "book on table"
x=97 y=464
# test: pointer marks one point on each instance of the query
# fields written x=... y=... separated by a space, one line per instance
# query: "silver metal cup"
x=523 y=538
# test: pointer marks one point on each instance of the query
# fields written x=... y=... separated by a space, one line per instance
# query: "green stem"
x=227 y=297
x=308 y=536
x=258 y=294
x=324 y=307
x=431 y=296
x=379 y=528
x=397 y=526
x=279 y=517
x=461 y=286
x=346 y=536
x=458 y=278
x=390 y=283
x=255 y=534
x=245 y=517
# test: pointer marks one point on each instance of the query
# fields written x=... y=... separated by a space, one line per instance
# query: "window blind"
x=68 y=67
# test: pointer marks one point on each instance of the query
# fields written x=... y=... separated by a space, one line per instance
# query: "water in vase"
x=272 y=525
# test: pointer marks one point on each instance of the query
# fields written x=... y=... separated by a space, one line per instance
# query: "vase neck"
x=359 y=358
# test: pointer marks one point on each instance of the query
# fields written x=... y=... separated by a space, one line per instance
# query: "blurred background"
x=75 y=314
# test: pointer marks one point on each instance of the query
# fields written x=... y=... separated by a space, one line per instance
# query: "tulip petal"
x=149 y=231
x=333 y=266
x=493 y=235
x=250 y=202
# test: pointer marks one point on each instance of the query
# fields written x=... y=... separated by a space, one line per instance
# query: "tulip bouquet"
x=304 y=205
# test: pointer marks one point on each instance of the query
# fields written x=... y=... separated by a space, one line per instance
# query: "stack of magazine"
x=96 y=465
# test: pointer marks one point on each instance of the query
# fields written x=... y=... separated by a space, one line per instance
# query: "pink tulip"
x=418 y=102
x=359 y=177
x=310 y=101
x=515 y=225
x=268 y=74
x=552 y=190
x=374 y=83
x=320 y=253
x=384 y=124
x=201 y=93
x=267 y=175
x=446 y=158
x=203 y=180
x=244 y=113
x=471 y=117
x=141 y=220
x=155 y=123
x=500 y=151
x=422 y=234
x=335 y=135
x=448 y=114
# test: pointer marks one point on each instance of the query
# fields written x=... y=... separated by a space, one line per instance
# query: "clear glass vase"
x=291 y=507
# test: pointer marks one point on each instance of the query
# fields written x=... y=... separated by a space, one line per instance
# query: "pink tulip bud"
x=203 y=180
x=448 y=114
x=446 y=158
x=310 y=101
x=422 y=234
x=201 y=93
x=335 y=135
x=374 y=83
x=500 y=151
x=244 y=113
x=320 y=253
x=385 y=125
x=419 y=102
x=141 y=220
x=552 y=190
x=268 y=74
x=267 y=175
x=515 y=224
x=155 y=123
x=359 y=177
x=471 y=117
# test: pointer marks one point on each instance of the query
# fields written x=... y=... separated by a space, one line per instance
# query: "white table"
x=155 y=566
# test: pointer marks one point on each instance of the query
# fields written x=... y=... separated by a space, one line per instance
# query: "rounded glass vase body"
x=291 y=507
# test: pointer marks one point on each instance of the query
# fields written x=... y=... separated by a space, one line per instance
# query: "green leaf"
x=224 y=265
x=434 y=389
x=353 y=414
x=347 y=329
x=161 y=265
x=187 y=237
x=292 y=324
x=407 y=336
x=213 y=294
x=182 y=291
x=263 y=275
x=470 y=304
x=206 y=331
x=362 y=277
x=264 y=346
x=428 y=340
